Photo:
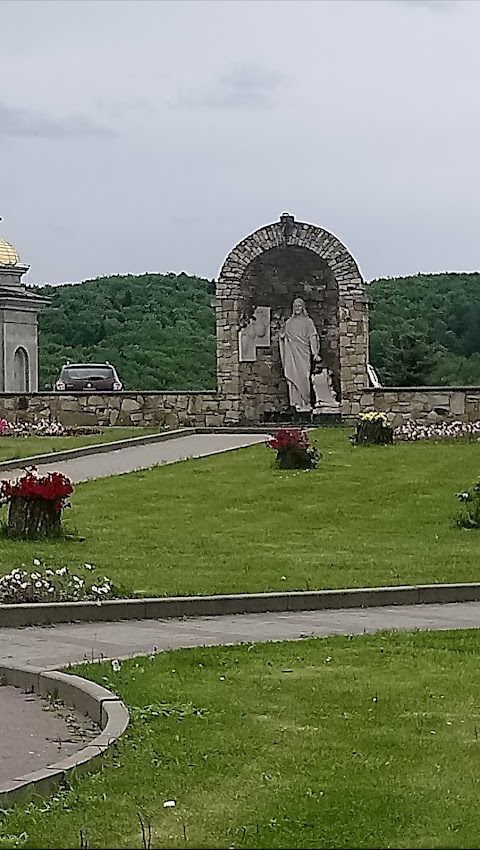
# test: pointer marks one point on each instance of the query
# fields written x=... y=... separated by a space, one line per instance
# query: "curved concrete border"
x=104 y=708
x=158 y=608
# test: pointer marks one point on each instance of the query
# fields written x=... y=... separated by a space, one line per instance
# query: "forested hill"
x=159 y=330
x=426 y=329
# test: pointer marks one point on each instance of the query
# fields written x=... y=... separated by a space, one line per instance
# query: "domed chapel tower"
x=19 y=311
x=286 y=267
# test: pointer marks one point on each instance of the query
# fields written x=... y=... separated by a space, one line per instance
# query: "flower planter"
x=35 y=504
x=293 y=449
x=373 y=433
x=33 y=517
x=293 y=459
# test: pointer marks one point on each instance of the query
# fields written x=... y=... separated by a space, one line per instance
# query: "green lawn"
x=367 y=742
x=232 y=523
x=12 y=448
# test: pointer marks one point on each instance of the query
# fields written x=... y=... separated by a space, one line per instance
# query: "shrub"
x=469 y=516
x=293 y=449
x=46 y=584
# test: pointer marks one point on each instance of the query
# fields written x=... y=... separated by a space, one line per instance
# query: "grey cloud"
x=126 y=107
x=242 y=87
x=18 y=122
x=355 y=115
x=431 y=5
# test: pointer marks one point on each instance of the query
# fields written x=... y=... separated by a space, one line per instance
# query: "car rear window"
x=78 y=373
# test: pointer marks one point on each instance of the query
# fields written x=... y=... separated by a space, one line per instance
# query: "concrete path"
x=53 y=647
x=29 y=740
x=143 y=457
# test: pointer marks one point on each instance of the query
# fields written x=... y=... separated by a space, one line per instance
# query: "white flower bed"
x=437 y=431
x=42 y=428
x=45 y=584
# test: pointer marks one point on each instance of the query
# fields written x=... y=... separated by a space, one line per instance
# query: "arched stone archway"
x=21 y=371
x=271 y=267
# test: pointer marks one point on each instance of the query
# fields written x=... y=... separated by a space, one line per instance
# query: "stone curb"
x=104 y=708
x=127 y=443
x=163 y=608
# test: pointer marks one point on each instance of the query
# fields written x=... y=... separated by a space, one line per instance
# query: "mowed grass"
x=368 y=742
x=233 y=523
x=12 y=448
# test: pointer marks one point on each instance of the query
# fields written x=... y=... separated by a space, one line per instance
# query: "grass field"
x=367 y=742
x=232 y=523
x=12 y=448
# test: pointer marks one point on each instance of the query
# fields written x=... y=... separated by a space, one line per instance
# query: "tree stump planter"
x=35 y=504
x=33 y=518
x=293 y=449
x=371 y=433
x=292 y=459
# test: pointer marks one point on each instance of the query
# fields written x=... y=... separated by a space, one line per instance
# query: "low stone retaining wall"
x=424 y=404
x=158 y=409
x=213 y=410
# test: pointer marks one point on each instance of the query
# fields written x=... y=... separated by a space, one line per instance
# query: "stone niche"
x=262 y=276
x=276 y=278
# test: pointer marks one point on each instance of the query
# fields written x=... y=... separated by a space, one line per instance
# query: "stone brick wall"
x=270 y=268
x=174 y=410
x=166 y=410
x=424 y=404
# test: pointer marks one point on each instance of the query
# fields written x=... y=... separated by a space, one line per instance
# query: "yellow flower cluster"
x=374 y=416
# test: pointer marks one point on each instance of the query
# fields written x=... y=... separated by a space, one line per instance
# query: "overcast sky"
x=154 y=135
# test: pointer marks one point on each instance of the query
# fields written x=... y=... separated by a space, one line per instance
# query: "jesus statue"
x=298 y=343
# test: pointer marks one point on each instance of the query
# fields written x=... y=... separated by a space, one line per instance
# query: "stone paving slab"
x=52 y=647
x=143 y=457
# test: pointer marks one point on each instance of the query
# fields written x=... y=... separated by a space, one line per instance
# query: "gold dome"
x=8 y=254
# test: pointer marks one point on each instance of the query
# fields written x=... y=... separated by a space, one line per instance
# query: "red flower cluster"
x=54 y=486
x=289 y=438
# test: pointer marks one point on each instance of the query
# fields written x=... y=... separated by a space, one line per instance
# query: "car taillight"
x=60 y=385
x=117 y=385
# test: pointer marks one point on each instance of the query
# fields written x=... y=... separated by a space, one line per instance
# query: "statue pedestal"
x=291 y=418
x=324 y=393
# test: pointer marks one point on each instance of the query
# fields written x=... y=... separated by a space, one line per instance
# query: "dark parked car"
x=88 y=376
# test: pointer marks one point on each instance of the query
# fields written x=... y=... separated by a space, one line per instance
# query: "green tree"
x=159 y=330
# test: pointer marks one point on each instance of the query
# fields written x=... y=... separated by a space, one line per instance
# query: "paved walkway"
x=52 y=647
x=143 y=457
x=31 y=738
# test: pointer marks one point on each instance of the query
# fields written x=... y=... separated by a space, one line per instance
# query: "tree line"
x=159 y=330
x=425 y=329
